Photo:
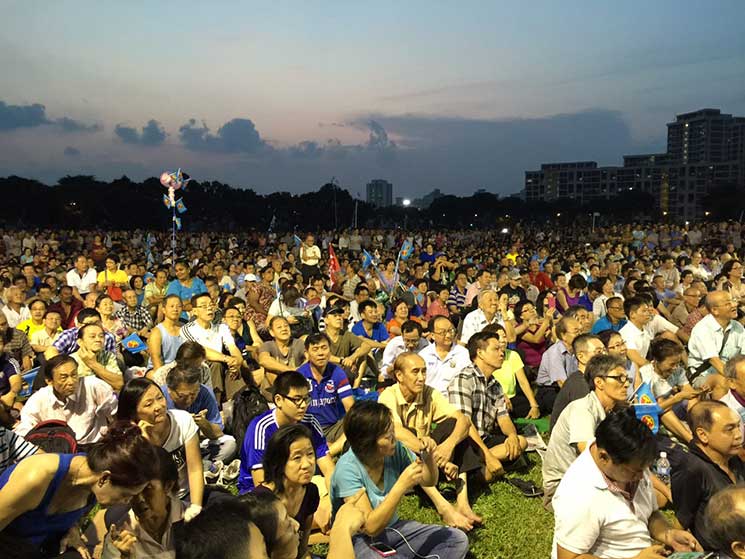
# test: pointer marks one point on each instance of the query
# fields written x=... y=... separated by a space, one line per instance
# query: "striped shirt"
x=259 y=431
x=457 y=298
x=67 y=342
x=13 y=448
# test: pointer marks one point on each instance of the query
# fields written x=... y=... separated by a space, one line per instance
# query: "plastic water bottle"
x=662 y=468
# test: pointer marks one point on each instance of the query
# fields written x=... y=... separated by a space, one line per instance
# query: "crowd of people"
x=256 y=393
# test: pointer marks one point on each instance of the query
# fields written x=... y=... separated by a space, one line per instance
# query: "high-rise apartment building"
x=380 y=193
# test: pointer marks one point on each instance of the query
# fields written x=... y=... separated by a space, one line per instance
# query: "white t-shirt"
x=662 y=387
x=636 y=339
x=588 y=518
x=183 y=428
x=84 y=282
x=216 y=338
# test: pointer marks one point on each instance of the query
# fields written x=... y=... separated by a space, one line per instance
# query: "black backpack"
x=53 y=435
x=247 y=404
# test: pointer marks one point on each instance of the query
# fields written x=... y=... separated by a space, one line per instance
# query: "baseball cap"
x=334 y=309
x=513 y=274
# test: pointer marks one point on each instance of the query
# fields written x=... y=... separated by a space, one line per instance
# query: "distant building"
x=380 y=193
x=426 y=201
x=704 y=149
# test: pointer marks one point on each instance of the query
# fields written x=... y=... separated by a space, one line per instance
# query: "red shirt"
x=541 y=281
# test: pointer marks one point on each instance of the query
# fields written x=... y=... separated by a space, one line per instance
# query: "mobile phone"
x=424 y=455
x=382 y=549
x=690 y=555
x=551 y=303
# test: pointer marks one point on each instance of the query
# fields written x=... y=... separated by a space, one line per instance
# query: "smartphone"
x=691 y=555
x=424 y=456
x=551 y=302
x=382 y=549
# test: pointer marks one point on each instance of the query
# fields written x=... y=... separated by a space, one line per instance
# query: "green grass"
x=514 y=526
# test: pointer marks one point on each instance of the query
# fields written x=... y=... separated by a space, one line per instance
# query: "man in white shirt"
x=214 y=338
x=444 y=357
x=310 y=255
x=476 y=321
x=409 y=340
x=81 y=278
x=16 y=311
x=605 y=506
x=715 y=340
x=86 y=404
x=634 y=333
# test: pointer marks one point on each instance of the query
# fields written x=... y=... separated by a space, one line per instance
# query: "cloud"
x=14 y=117
x=238 y=135
x=71 y=151
x=153 y=134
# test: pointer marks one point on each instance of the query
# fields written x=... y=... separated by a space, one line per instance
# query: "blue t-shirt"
x=604 y=323
x=379 y=332
x=205 y=400
x=350 y=474
x=258 y=433
x=186 y=293
x=327 y=395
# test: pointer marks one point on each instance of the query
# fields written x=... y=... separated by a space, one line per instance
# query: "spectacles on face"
x=619 y=345
x=449 y=331
x=299 y=401
x=210 y=306
x=620 y=379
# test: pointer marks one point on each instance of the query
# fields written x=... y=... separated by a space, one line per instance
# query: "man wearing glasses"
x=291 y=398
x=444 y=358
x=606 y=376
x=215 y=338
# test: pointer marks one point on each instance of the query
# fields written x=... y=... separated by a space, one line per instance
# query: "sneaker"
x=212 y=471
x=229 y=473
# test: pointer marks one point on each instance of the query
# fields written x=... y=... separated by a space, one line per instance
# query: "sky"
x=283 y=96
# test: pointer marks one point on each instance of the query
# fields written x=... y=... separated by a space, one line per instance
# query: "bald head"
x=721 y=305
x=725 y=520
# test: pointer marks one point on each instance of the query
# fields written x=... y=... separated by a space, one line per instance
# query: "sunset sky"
x=285 y=95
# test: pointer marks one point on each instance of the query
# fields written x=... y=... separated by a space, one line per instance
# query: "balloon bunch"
x=173 y=182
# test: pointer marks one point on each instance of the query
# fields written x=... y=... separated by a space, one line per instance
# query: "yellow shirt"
x=29 y=327
x=418 y=416
x=506 y=373
x=120 y=277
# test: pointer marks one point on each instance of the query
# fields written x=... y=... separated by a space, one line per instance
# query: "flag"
x=177 y=221
x=133 y=344
x=367 y=260
x=180 y=206
x=166 y=201
x=406 y=250
x=647 y=411
x=334 y=267
x=273 y=222
x=297 y=240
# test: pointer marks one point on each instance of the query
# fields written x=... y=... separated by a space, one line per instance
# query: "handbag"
x=113 y=291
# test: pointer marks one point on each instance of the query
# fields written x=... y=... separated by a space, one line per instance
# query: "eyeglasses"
x=299 y=401
x=450 y=331
x=620 y=379
x=205 y=307
x=619 y=345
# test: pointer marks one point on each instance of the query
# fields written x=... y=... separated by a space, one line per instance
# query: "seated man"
x=35 y=322
x=585 y=347
x=444 y=356
x=410 y=340
x=86 y=404
x=330 y=391
x=605 y=507
x=17 y=345
x=725 y=517
x=67 y=342
x=606 y=376
x=415 y=408
x=135 y=317
x=614 y=319
x=291 y=398
x=370 y=328
x=477 y=394
x=184 y=391
x=42 y=339
x=216 y=339
x=10 y=378
x=347 y=349
x=68 y=306
x=283 y=353
x=635 y=332
x=93 y=359
x=711 y=465
x=557 y=363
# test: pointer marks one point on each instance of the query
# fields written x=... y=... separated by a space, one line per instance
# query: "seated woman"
x=144 y=529
x=533 y=335
x=401 y=312
x=111 y=324
x=382 y=466
x=289 y=464
x=43 y=497
x=189 y=354
x=142 y=403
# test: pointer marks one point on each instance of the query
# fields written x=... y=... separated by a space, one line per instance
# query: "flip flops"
x=527 y=488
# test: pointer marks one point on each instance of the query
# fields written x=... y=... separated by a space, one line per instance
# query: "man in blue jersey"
x=291 y=398
x=330 y=391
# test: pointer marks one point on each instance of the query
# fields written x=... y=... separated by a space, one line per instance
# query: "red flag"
x=334 y=267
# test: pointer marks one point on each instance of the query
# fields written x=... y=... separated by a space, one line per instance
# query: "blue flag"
x=407 y=250
x=297 y=240
x=646 y=409
x=180 y=206
x=166 y=201
x=367 y=260
x=133 y=344
x=177 y=221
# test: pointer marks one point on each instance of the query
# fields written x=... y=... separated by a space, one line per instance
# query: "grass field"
x=514 y=526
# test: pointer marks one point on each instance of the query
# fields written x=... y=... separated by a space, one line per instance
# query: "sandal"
x=527 y=488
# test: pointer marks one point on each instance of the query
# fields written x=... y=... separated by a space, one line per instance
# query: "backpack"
x=247 y=404
x=53 y=435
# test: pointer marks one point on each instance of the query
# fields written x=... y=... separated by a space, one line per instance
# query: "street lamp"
x=406 y=202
